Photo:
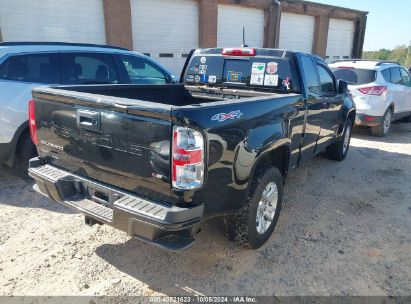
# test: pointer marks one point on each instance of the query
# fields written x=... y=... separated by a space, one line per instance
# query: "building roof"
x=328 y=6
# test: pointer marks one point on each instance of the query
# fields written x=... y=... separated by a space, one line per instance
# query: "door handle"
x=88 y=120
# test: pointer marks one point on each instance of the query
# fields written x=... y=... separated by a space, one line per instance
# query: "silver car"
x=27 y=65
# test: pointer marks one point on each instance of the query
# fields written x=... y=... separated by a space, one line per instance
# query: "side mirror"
x=342 y=86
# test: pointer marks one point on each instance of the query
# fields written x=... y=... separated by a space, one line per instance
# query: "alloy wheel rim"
x=347 y=138
x=387 y=122
x=267 y=208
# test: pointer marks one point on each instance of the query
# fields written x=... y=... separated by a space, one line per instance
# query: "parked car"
x=157 y=161
x=25 y=65
x=381 y=92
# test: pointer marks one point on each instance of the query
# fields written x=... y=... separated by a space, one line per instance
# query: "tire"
x=339 y=150
x=246 y=227
x=383 y=129
x=25 y=151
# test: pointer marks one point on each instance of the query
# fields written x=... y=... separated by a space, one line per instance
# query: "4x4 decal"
x=220 y=117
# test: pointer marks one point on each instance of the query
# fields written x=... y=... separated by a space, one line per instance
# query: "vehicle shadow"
x=400 y=133
x=16 y=189
x=330 y=212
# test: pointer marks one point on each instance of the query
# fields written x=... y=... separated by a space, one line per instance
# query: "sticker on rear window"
x=234 y=76
x=272 y=67
x=197 y=78
x=204 y=78
x=202 y=69
x=257 y=79
x=203 y=60
x=212 y=79
x=287 y=84
x=258 y=68
x=193 y=69
x=271 y=80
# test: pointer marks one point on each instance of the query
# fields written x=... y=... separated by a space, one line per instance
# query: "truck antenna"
x=244 y=44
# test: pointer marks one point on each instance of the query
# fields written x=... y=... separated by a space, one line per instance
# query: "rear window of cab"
x=264 y=73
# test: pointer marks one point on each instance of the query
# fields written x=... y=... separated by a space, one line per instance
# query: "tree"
x=398 y=54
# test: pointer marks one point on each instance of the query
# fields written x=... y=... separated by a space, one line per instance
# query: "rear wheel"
x=253 y=225
x=339 y=149
x=383 y=129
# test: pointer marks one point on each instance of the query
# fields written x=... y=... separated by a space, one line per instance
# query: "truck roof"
x=258 y=52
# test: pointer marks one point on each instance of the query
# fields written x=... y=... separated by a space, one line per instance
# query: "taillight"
x=375 y=90
x=239 y=52
x=187 y=158
x=369 y=118
x=32 y=123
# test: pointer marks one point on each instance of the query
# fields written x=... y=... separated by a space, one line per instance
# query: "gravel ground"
x=345 y=229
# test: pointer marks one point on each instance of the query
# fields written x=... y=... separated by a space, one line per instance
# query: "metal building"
x=168 y=29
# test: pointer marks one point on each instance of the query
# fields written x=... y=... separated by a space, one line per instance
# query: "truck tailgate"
x=106 y=139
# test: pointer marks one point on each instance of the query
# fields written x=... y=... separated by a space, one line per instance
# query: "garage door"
x=232 y=19
x=166 y=30
x=297 y=32
x=50 y=20
x=340 y=39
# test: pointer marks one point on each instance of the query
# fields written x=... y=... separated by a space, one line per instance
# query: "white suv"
x=381 y=91
x=26 y=65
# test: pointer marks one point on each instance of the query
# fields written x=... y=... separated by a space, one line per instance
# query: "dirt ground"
x=345 y=229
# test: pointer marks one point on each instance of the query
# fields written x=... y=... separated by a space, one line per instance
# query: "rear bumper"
x=368 y=120
x=170 y=227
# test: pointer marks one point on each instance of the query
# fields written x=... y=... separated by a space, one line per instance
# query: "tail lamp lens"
x=187 y=158
x=369 y=118
x=375 y=90
x=32 y=123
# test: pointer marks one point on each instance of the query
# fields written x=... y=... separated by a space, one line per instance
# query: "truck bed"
x=169 y=95
x=120 y=134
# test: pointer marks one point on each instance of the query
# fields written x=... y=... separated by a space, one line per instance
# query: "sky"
x=388 y=23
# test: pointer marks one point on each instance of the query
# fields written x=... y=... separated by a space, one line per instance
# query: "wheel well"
x=25 y=148
x=24 y=132
x=278 y=158
x=351 y=116
x=16 y=142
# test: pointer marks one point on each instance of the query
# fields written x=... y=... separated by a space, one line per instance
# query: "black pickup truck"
x=158 y=160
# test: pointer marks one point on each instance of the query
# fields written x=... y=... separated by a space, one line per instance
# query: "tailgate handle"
x=88 y=120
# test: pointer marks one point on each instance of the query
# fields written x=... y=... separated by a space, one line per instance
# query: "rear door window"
x=141 y=71
x=405 y=77
x=387 y=75
x=36 y=68
x=396 y=76
x=354 y=76
x=88 y=68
